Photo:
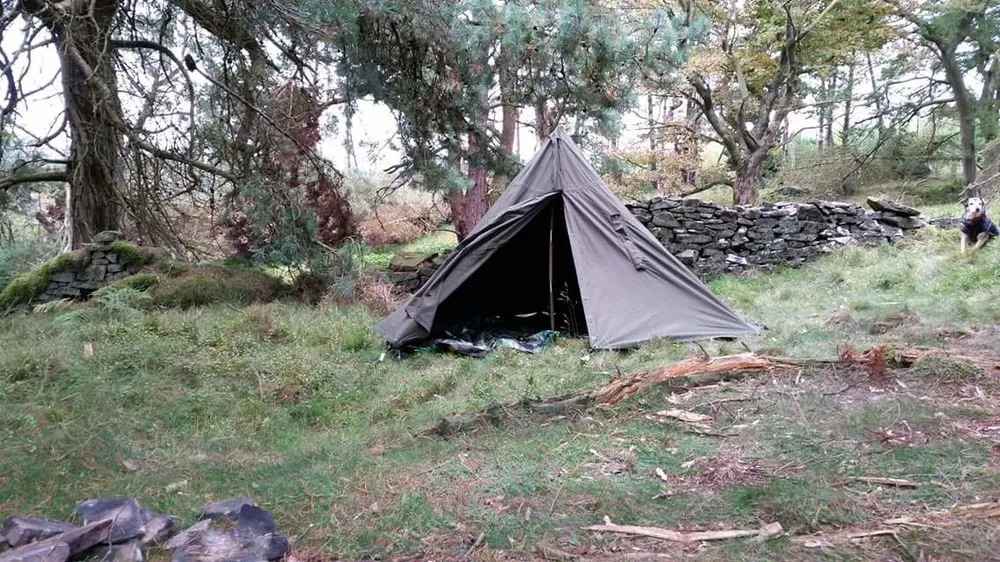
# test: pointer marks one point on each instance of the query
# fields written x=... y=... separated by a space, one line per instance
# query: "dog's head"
x=975 y=208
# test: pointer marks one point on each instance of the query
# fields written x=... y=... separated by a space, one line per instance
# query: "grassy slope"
x=289 y=404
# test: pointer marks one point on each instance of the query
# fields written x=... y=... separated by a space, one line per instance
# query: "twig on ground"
x=661 y=475
x=845 y=388
x=887 y=481
x=476 y=544
x=768 y=530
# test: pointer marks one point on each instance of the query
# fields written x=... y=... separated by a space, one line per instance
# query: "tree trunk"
x=691 y=148
x=90 y=89
x=966 y=117
x=848 y=95
x=989 y=126
x=508 y=128
x=822 y=113
x=542 y=123
x=746 y=187
x=469 y=206
x=653 y=156
x=880 y=113
x=831 y=95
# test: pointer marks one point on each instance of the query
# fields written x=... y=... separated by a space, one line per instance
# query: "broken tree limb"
x=694 y=371
x=768 y=530
x=618 y=390
x=682 y=375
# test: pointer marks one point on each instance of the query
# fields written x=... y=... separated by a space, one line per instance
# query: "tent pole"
x=552 y=300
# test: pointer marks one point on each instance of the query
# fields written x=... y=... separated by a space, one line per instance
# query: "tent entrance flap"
x=515 y=289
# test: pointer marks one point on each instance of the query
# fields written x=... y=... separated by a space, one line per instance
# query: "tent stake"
x=552 y=301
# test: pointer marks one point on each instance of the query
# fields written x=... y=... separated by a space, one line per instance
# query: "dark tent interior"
x=509 y=294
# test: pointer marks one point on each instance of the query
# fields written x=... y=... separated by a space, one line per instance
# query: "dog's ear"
x=964 y=201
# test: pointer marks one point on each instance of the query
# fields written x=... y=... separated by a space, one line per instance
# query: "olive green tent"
x=559 y=244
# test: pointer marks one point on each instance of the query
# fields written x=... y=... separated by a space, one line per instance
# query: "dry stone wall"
x=711 y=238
x=104 y=267
x=101 y=263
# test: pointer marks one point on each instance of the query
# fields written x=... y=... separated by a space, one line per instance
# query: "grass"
x=290 y=405
x=437 y=241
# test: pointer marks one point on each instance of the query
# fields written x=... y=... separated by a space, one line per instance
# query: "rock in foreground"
x=19 y=531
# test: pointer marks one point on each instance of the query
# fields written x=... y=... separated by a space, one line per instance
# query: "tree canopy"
x=184 y=115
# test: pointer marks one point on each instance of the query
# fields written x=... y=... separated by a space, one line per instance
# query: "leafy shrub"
x=208 y=284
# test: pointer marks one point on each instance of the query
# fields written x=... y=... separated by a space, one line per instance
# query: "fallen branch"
x=621 y=389
x=768 y=530
x=821 y=541
x=887 y=481
x=688 y=373
x=684 y=375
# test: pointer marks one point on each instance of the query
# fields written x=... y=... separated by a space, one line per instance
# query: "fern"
x=76 y=318
x=125 y=303
x=53 y=306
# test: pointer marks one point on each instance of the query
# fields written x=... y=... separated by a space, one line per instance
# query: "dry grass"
x=396 y=224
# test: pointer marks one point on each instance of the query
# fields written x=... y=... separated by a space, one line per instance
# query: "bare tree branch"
x=37 y=177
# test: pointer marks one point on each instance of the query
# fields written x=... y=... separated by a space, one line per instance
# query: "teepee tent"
x=559 y=249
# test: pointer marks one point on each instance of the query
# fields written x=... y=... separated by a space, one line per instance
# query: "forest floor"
x=290 y=405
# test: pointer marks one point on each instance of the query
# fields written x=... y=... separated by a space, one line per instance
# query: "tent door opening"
x=526 y=286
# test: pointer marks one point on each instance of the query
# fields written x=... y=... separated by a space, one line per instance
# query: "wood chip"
x=88 y=350
x=769 y=530
x=987 y=510
x=887 y=481
x=684 y=415
x=662 y=475
x=875 y=533
x=175 y=486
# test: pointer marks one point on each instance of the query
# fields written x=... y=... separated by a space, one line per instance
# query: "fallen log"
x=684 y=375
x=694 y=371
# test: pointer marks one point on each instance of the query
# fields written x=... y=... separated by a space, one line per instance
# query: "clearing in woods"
x=289 y=405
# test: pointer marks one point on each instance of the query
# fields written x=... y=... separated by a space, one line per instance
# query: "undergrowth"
x=289 y=404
